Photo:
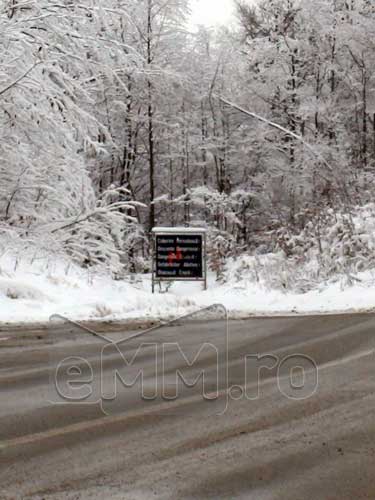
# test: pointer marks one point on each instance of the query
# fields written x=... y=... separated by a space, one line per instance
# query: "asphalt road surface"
x=278 y=408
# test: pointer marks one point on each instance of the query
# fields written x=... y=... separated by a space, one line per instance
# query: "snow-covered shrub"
x=92 y=235
x=102 y=311
x=17 y=290
x=272 y=271
x=220 y=246
x=335 y=247
x=141 y=265
x=132 y=256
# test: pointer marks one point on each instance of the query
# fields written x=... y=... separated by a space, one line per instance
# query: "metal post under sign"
x=179 y=254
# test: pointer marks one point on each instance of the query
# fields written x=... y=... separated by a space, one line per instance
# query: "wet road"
x=278 y=408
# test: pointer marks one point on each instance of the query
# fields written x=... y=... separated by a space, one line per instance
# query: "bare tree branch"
x=282 y=129
x=15 y=82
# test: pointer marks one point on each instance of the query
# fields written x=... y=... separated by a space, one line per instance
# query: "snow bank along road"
x=288 y=440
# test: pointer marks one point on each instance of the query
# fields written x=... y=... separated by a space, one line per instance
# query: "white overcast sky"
x=211 y=12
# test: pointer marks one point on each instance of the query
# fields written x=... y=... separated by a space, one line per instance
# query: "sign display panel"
x=179 y=256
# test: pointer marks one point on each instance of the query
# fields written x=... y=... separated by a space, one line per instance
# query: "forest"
x=117 y=116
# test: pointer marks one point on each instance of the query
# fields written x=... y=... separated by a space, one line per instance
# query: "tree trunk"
x=150 y=118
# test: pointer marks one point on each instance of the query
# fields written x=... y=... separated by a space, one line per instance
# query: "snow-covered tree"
x=48 y=67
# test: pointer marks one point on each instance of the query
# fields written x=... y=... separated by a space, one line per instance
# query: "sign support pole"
x=153 y=262
x=205 y=261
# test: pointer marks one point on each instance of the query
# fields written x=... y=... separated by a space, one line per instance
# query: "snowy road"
x=275 y=432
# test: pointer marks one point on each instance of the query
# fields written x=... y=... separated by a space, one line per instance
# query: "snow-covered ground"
x=32 y=292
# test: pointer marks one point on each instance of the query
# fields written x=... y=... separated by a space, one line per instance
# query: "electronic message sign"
x=179 y=254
